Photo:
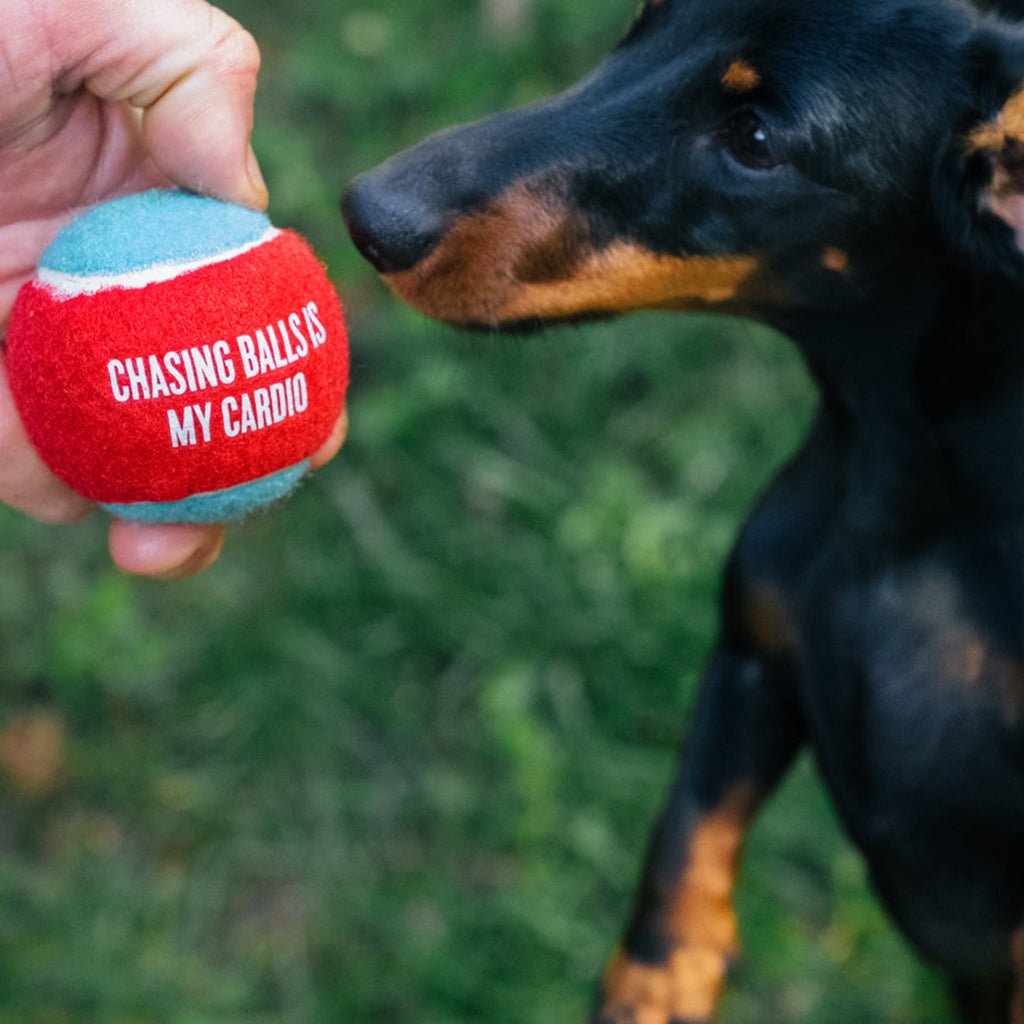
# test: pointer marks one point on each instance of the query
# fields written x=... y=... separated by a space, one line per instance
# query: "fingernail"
x=255 y=175
x=203 y=556
x=163 y=552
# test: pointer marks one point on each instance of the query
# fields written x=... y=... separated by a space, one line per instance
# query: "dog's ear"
x=980 y=184
x=999 y=143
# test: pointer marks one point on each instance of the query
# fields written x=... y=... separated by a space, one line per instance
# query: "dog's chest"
x=914 y=686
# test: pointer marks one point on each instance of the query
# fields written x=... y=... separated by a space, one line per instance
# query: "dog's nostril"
x=369 y=247
x=391 y=230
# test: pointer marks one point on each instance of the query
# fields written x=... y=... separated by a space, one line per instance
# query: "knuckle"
x=235 y=49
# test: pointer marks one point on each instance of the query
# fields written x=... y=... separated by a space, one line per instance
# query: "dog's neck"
x=923 y=386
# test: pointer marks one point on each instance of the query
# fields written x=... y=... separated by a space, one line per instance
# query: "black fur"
x=873 y=606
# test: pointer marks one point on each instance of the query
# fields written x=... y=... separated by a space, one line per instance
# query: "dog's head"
x=735 y=155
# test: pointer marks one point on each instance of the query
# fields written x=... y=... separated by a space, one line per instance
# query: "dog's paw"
x=683 y=990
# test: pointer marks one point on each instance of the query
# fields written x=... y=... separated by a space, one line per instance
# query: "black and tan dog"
x=853 y=174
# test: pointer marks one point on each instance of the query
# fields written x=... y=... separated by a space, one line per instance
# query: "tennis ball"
x=177 y=359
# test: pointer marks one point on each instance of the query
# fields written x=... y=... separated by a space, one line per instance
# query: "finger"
x=174 y=551
x=191 y=70
x=25 y=482
x=166 y=552
x=333 y=444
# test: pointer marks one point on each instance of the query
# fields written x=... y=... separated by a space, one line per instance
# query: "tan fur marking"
x=741 y=76
x=528 y=256
x=968 y=658
x=625 y=277
x=646 y=990
x=1008 y=124
x=702 y=921
x=1003 y=141
x=769 y=620
x=701 y=924
x=834 y=259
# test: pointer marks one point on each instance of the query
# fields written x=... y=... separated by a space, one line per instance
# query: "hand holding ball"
x=178 y=359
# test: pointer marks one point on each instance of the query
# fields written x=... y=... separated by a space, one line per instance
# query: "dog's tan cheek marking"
x=556 y=255
x=471 y=272
x=741 y=76
x=529 y=256
x=625 y=277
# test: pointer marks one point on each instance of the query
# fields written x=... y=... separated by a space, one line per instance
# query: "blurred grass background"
x=394 y=758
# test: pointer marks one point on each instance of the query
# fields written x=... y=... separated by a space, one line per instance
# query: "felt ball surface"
x=178 y=359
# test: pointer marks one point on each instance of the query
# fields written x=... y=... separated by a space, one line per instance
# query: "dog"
x=851 y=174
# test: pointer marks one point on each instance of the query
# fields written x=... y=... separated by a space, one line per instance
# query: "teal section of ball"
x=216 y=506
x=151 y=228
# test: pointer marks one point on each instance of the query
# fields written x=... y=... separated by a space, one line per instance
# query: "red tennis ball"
x=178 y=359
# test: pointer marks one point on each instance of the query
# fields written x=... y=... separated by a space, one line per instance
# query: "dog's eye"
x=747 y=140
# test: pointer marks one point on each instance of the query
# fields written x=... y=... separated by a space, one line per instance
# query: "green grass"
x=395 y=756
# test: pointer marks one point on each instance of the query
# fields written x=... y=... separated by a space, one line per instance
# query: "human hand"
x=99 y=98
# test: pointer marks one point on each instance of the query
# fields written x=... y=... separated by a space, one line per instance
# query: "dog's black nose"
x=390 y=225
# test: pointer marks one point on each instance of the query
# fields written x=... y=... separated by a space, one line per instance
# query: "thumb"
x=191 y=70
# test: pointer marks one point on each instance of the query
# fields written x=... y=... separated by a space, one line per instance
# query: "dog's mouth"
x=530 y=325
x=526 y=261
x=483 y=286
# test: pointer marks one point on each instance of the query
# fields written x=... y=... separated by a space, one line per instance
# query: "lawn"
x=394 y=758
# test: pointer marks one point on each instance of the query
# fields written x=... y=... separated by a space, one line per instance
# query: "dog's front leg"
x=673 y=959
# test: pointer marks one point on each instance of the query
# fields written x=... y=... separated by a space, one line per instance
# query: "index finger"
x=192 y=71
